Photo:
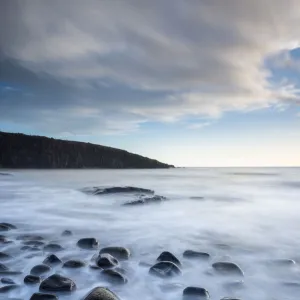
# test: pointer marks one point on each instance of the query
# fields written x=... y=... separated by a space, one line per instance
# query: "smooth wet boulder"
x=114 y=276
x=120 y=253
x=168 y=256
x=124 y=189
x=31 y=249
x=66 y=233
x=52 y=260
x=40 y=296
x=6 y=226
x=146 y=200
x=191 y=254
x=74 y=263
x=165 y=269
x=33 y=243
x=227 y=268
x=32 y=279
x=193 y=292
x=4 y=256
x=29 y=237
x=106 y=261
x=57 y=283
x=53 y=248
x=3 y=267
x=40 y=269
x=8 y=288
x=88 y=243
x=100 y=293
x=6 y=280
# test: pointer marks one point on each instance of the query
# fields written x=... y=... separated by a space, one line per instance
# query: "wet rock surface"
x=146 y=200
x=40 y=296
x=32 y=279
x=227 y=268
x=88 y=243
x=120 y=189
x=191 y=254
x=40 y=269
x=192 y=292
x=53 y=248
x=74 y=263
x=5 y=280
x=114 y=276
x=106 y=261
x=168 y=256
x=165 y=269
x=101 y=293
x=120 y=253
x=52 y=260
x=57 y=283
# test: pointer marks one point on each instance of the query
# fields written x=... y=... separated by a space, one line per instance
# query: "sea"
x=247 y=216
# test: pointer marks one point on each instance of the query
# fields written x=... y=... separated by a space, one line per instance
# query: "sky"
x=191 y=83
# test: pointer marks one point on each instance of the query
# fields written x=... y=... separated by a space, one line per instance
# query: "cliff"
x=25 y=151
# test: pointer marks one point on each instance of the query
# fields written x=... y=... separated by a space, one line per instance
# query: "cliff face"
x=25 y=151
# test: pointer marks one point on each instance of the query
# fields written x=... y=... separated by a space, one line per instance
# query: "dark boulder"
x=3 y=267
x=227 y=268
x=114 y=276
x=39 y=296
x=29 y=248
x=106 y=261
x=67 y=233
x=88 y=243
x=33 y=243
x=8 y=273
x=168 y=256
x=40 y=269
x=74 y=263
x=165 y=269
x=53 y=248
x=7 y=226
x=191 y=254
x=32 y=279
x=8 y=288
x=4 y=227
x=57 y=283
x=6 y=280
x=52 y=260
x=100 y=293
x=146 y=200
x=120 y=253
x=4 y=256
x=192 y=292
x=123 y=189
x=30 y=237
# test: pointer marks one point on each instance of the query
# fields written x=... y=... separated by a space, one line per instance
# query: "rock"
x=40 y=269
x=165 y=269
x=7 y=225
x=4 y=227
x=32 y=279
x=33 y=243
x=146 y=200
x=53 y=248
x=29 y=237
x=192 y=292
x=114 y=277
x=106 y=261
x=3 y=267
x=88 y=243
x=74 y=263
x=168 y=256
x=7 y=273
x=100 y=293
x=125 y=189
x=52 y=260
x=191 y=254
x=67 y=233
x=6 y=280
x=4 y=256
x=57 y=283
x=29 y=248
x=8 y=288
x=39 y=296
x=118 y=252
x=227 y=268
x=171 y=287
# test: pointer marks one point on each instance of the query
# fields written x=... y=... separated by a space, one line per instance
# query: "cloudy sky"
x=193 y=82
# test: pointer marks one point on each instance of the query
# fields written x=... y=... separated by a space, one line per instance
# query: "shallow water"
x=249 y=216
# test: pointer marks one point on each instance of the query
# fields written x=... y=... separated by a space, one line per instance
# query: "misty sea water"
x=249 y=216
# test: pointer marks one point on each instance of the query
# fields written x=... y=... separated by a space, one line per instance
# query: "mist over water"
x=250 y=216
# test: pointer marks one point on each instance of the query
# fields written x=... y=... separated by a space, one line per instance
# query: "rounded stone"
x=106 y=261
x=114 y=277
x=227 y=268
x=67 y=233
x=118 y=252
x=168 y=256
x=74 y=263
x=39 y=296
x=3 y=267
x=32 y=279
x=52 y=260
x=8 y=288
x=57 y=283
x=165 y=269
x=191 y=254
x=53 y=248
x=29 y=237
x=6 y=280
x=40 y=269
x=4 y=256
x=33 y=243
x=100 y=293
x=192 y=292
x=88 y=243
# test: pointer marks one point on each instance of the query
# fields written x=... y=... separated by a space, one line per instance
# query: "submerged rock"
x=118 y=189
x=4 y=256
x=40 y=269
x=106 y=261
x=114 y=276
x=146 y=200
x=39 y=296
x=191 y=254
x=57 y=283
x=6 y=280
x=88 y=243
x=53 y=248
x=227 y=268
x=32 y=279
x=118 y=252
x=3 y=267
x=100 y=293
x=165 y=269
x=8 y=288
x=168 y=256
x=67 y=233
x=30 y=237
x=33 y=243
x=6 y=226
x=74 y=263
x=52 y=260
x=192 y=292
